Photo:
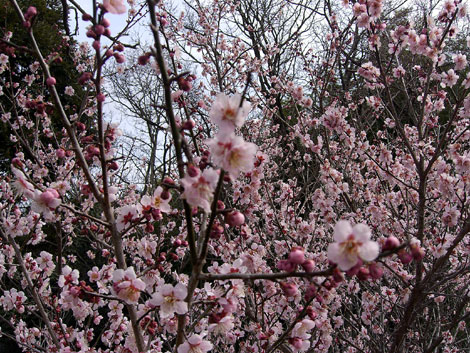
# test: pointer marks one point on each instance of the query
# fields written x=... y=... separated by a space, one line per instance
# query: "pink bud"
x=296 y=342
x=353 y=271
x=119 y=47
x=337 y=275
x=113 y=165
x=363 y=274
x=60 y=153
x=156 y=214
x=286 y=265
x=188 y=124
x=168 y=181
x=308 y=265
x=234 y=219
x=297 y=255
x=31 y=12
x=165 y=195
x=177 y=242
x=16 y=162
x=90 y=34
x=108 y=53
x=86 y=17
x=26 y=24
x=100 y=97
x=107 y=32
x=404 y=257
x=417 y=252
x=96 y=45
x=105 y=22
x=99 y=29
x=119 y=58
x=220 y=205
x=289 y=289
x=51 y=81
x=143 y=59
x=391 y=243
x=192 y=171
x=375 y=270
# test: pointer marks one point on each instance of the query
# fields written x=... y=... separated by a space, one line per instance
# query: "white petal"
x=342 y=230
x=361 y=232
x=369 y=251
x=334 y=252
x=347 y=262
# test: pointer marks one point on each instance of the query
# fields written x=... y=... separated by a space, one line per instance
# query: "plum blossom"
x=45 y=201
x=170 y=300
x=156 y=201
x=115 y=6
x=195 y=344
x=22 y=186
x=227 y=113
x=127 y=215
x=127 y=286
x=199 y=190
x=232 y=153
x=351 y=244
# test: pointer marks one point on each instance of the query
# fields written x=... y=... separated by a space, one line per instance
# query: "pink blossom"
x=170 y=300
x=127 y=215
x=199 y=190
x=157 y=202
x=115 y=6
x=232 y=153
x=22 y=186
x=44 y=201
x=351 y=243
x=227 y=113
x=126 y=285
x=460 y=61
x=195 y=344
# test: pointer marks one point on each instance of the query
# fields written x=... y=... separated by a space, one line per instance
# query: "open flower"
x=45 y=201
x=232 y=153
x=195 y=344
x=351 y=243
x=170 y=300
x=199 y=190
x=156 y=201
x=115 y=6
x=227 y=113
x=22 y=186
x=127 y=286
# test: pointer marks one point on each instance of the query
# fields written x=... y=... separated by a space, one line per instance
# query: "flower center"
x=170 y=299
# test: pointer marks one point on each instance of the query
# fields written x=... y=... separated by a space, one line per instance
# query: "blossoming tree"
x=313 y=198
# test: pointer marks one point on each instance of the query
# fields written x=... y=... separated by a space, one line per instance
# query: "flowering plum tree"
x=312 y=194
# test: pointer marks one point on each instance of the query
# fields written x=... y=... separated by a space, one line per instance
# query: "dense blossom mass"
x=287 y=177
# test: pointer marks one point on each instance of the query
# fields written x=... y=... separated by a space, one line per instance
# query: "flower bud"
x=404 y=257
x=376 y=271
x=234 y=219
x=165 y=195
x=99 y=29
x=105 y=22
x=308 y=265
x=51 y=81
x=297 y=255
x=363 y=274
x=192 y=171
x=391 y=243
x=289 y=289
x=286 y=265
x=100 y=97
x=353 y=271
x=417 y=252
x=60 y=153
